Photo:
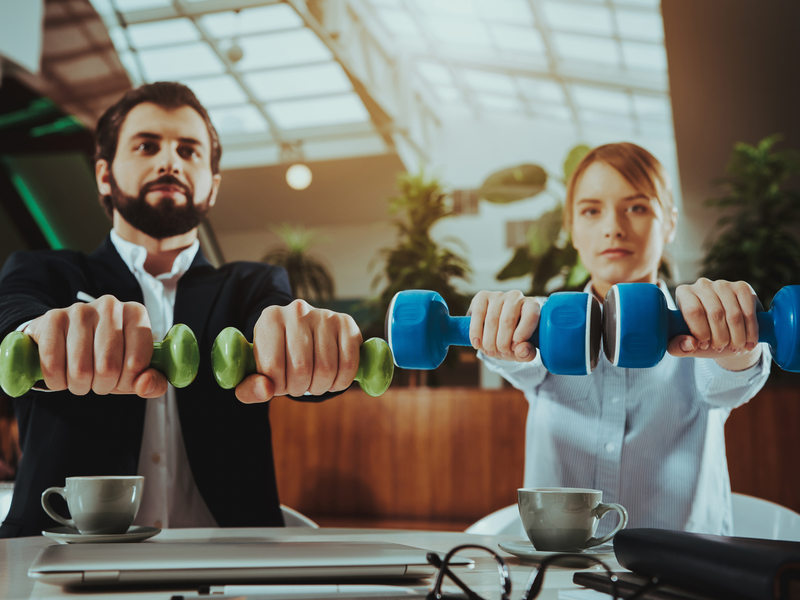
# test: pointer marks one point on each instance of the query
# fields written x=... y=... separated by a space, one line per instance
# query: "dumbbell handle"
x=766 y=326
x=456 y=332
x=177 y=356
x=233 y=359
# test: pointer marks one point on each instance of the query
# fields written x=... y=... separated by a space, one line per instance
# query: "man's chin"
x=157 y=198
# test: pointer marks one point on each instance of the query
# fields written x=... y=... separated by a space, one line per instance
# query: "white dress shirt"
x=170 y=498
x=652 y=439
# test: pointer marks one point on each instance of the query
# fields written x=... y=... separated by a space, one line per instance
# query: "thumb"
x=682 y=346
x=150 y=384
x=255 y=389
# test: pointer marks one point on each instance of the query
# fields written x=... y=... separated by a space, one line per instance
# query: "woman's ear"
x=671 y=226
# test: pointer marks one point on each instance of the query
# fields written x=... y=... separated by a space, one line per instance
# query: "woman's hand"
x=722 y=318
x=502 y=323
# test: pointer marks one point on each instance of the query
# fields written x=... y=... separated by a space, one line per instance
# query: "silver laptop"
x=216 y=563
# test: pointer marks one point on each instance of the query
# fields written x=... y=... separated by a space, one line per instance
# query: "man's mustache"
x=167 y=180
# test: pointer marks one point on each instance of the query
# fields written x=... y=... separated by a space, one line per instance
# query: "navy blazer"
x=228 y=443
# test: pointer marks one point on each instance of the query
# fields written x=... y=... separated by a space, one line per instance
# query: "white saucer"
x=68 y=535
x=526 y=551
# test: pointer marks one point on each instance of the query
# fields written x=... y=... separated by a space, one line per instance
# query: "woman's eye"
x=589 y=212
x=639 y=208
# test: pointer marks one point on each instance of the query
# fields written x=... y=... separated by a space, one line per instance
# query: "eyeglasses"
x=535 y=581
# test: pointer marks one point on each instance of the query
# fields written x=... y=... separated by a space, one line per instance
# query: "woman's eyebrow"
x=589 y=200
x=638 y=196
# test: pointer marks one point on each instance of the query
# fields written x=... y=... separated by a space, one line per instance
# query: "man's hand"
x=502 y=323
x=104 y=346
x=299 y=349
x=722 y=318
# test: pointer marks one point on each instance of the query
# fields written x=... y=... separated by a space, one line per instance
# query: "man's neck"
x=161 y=254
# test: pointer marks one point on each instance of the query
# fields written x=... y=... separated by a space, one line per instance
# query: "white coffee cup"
x=98 y=505
x=565 y=519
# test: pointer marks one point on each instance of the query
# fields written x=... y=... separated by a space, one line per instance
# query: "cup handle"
x=601 y=510
x=61 y=491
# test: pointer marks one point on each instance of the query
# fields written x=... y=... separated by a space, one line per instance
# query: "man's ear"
x=214 y=189
x=671 y=226
x=102 y=172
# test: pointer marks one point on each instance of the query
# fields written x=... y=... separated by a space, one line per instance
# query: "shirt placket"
x=611 y=432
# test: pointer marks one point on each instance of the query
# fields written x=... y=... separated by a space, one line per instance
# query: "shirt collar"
x=134 y=256
x=661 y=285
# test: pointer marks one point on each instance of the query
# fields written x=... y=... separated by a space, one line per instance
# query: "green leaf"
x=520 y=265
x=544 y=232
x=574 y=157
x=515 y=183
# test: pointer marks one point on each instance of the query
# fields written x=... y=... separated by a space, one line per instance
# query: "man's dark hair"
x=168 y=95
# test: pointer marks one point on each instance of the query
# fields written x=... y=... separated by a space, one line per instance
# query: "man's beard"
x=165 y=219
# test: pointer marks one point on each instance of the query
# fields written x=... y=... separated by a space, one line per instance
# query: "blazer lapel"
x=111 y=273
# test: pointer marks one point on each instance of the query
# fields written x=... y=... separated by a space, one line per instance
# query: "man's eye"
x=187 y=152
x=147 y=147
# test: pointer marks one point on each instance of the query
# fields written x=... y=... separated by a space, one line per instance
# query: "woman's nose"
x=613 y=226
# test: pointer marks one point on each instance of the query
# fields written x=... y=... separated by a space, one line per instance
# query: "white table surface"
x=16 y=555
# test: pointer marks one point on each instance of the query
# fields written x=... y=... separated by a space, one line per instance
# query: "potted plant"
x=549 y=255
x=308 y=277
x=755 y=239
x=417 y=261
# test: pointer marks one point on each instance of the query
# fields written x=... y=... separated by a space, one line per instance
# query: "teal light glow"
x=36 y=211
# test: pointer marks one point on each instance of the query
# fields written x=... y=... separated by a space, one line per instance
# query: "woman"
x=650 y=439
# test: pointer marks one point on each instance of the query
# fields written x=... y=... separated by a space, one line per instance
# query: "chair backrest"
x=292 y=518
x=757 y=518
x=6 y=493
x=505 y=521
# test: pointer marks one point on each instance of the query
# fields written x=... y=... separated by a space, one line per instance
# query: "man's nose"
x=169 y=163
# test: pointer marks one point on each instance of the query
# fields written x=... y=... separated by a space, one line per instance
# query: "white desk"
x=16 y=556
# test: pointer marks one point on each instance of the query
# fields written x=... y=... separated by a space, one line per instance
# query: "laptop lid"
x=215 y=563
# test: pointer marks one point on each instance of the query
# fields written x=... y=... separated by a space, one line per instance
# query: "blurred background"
x=352 y=128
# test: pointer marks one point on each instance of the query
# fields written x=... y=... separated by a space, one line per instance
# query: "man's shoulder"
x=249 y=267
x=60 y=257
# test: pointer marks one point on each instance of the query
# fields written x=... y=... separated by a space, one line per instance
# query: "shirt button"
x=614 y=400
x=156 y=458
x=157 y=524
x=609 y=447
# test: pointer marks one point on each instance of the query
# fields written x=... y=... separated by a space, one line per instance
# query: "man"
x=206 y=453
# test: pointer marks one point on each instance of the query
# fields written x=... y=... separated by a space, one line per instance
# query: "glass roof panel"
x=454 y=30
x=314 y=80
x=238 y=119
x=658 y=128
x=389 y=3
x=616 y=123
x=118 y=38
x=399 y=22
x=650 y=3
x=507 y=11
x=217 y=91
x=518 y=39
x=652 y=107
x=645 y=56
x=316 y=112
x=134 y=5
x=284 y=48
x=559 y=111
x=160 y=33
x=575 y=17
x=180 y=61
x=504 y=103
x=447 y=7
x=639 y=25
x=448 y=93
x=589 y=49
x=541 y=89
x=601 y=99
x=486 y=81
x=435 y=73
x=251 y=20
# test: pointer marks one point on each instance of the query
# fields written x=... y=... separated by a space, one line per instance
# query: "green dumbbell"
x=177 y=356
x=232 y=360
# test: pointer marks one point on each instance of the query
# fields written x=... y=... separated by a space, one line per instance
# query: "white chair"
x=757 y=518
x=752 y=517
x=6 y=493
x=505 y=521
x=292 y=518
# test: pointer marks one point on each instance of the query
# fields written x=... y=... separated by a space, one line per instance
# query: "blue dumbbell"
x=638 y=324
x=419 y=330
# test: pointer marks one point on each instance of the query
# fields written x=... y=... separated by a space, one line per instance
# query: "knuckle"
x=716 y=315
x=736 y=318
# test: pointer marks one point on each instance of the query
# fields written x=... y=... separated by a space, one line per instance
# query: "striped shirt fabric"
x=652 y=439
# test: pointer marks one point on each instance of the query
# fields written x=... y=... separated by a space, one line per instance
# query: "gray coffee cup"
x=565 y=519
x=98 y=505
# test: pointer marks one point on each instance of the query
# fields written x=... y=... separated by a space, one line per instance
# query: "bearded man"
x=205 y=452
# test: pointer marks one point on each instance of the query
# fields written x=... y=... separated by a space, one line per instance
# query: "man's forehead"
x=183 y=122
